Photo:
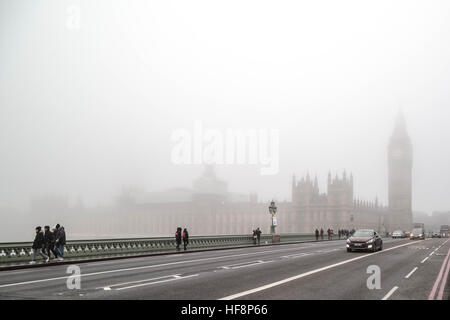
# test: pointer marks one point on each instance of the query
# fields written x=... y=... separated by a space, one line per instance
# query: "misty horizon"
x=90 y=109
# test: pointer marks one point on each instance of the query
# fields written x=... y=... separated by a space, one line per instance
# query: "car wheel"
x=381 y=247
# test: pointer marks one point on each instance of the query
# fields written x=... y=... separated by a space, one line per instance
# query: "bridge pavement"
x=323 y=270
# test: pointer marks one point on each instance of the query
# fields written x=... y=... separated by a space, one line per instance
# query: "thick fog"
x=93 y=94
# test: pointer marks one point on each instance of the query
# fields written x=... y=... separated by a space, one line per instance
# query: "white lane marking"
x=244 y=264
x=295 y=255
x=155 y=282
x=277 y=283
x=138 y=281
x=409 y=274
x=147 y=267
x=424 y=260
x=390 y=293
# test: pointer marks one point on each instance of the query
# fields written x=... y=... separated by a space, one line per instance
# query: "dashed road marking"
x=146 y=282
x=390 y=293
x=409 y=274
x=244 y=264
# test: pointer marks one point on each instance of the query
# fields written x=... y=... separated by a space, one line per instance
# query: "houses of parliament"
x=208 y=208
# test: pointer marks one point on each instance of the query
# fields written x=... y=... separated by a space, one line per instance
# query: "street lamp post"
x=273 y=211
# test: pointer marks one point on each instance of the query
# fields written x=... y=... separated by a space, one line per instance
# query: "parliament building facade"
x=210 y=209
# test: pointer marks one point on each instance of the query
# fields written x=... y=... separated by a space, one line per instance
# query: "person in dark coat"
x=178 y=238
x=321 y=234
x=258 y=235
x=329 y=234
x=317 y=235
x=38 y=244
x=185 y=236
x=60 y=241
x=49 y=240
x=254 y=236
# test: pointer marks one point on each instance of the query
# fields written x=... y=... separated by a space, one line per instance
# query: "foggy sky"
x=86 y=111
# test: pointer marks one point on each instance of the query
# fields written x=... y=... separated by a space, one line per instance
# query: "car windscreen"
x=417 y=231
x=363 y=233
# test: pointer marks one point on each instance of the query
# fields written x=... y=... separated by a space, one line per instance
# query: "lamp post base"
x=276 y=238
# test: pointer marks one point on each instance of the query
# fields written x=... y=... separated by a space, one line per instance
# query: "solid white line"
x=390 y=293
x=409 y=274
x=277 y=283
x=424 y=260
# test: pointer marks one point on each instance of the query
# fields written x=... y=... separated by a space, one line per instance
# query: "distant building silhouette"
x=208 y=208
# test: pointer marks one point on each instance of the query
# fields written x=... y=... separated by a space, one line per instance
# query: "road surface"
x=322 y=270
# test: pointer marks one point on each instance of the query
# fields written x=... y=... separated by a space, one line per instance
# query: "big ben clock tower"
x=400 y=161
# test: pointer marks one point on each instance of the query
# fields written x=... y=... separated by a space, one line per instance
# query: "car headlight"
x=420 y=235
x=348 y=241
x=370 y=241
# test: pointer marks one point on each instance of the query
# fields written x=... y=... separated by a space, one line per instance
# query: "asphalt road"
x=323 y=270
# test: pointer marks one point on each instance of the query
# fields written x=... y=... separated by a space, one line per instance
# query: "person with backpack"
x=38 y=245
x=178 y=238
x=185 y=238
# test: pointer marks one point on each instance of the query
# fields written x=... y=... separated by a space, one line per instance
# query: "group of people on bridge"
x=49 y=241
x=257 y=236
x=342 y=233
x=182 y=236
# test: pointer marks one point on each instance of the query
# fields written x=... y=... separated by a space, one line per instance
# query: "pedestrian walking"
x=317 y=235
x=254 y=236
x=258 y=235
x=321 y=234
x=49 y=242
x=38 y=245
x=185 y=238
x=178 y=238
x=329 y=234
x=60 y=241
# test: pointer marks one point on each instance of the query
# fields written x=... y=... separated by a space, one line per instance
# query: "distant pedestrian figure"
x=185 y=238
x=329 y=234
x=321 y=234
x=254 y=236
x=60 y=241
x=49 y=240
x=38 y=244
x=178 y=238
x=258 y=235
x=317 y=235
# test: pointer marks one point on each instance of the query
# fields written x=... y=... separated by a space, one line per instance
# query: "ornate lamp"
x=273 y=211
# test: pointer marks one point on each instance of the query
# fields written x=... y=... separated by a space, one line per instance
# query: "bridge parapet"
x=104 y=248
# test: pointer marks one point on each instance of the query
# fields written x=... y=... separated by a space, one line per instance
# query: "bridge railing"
x=103 y=248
